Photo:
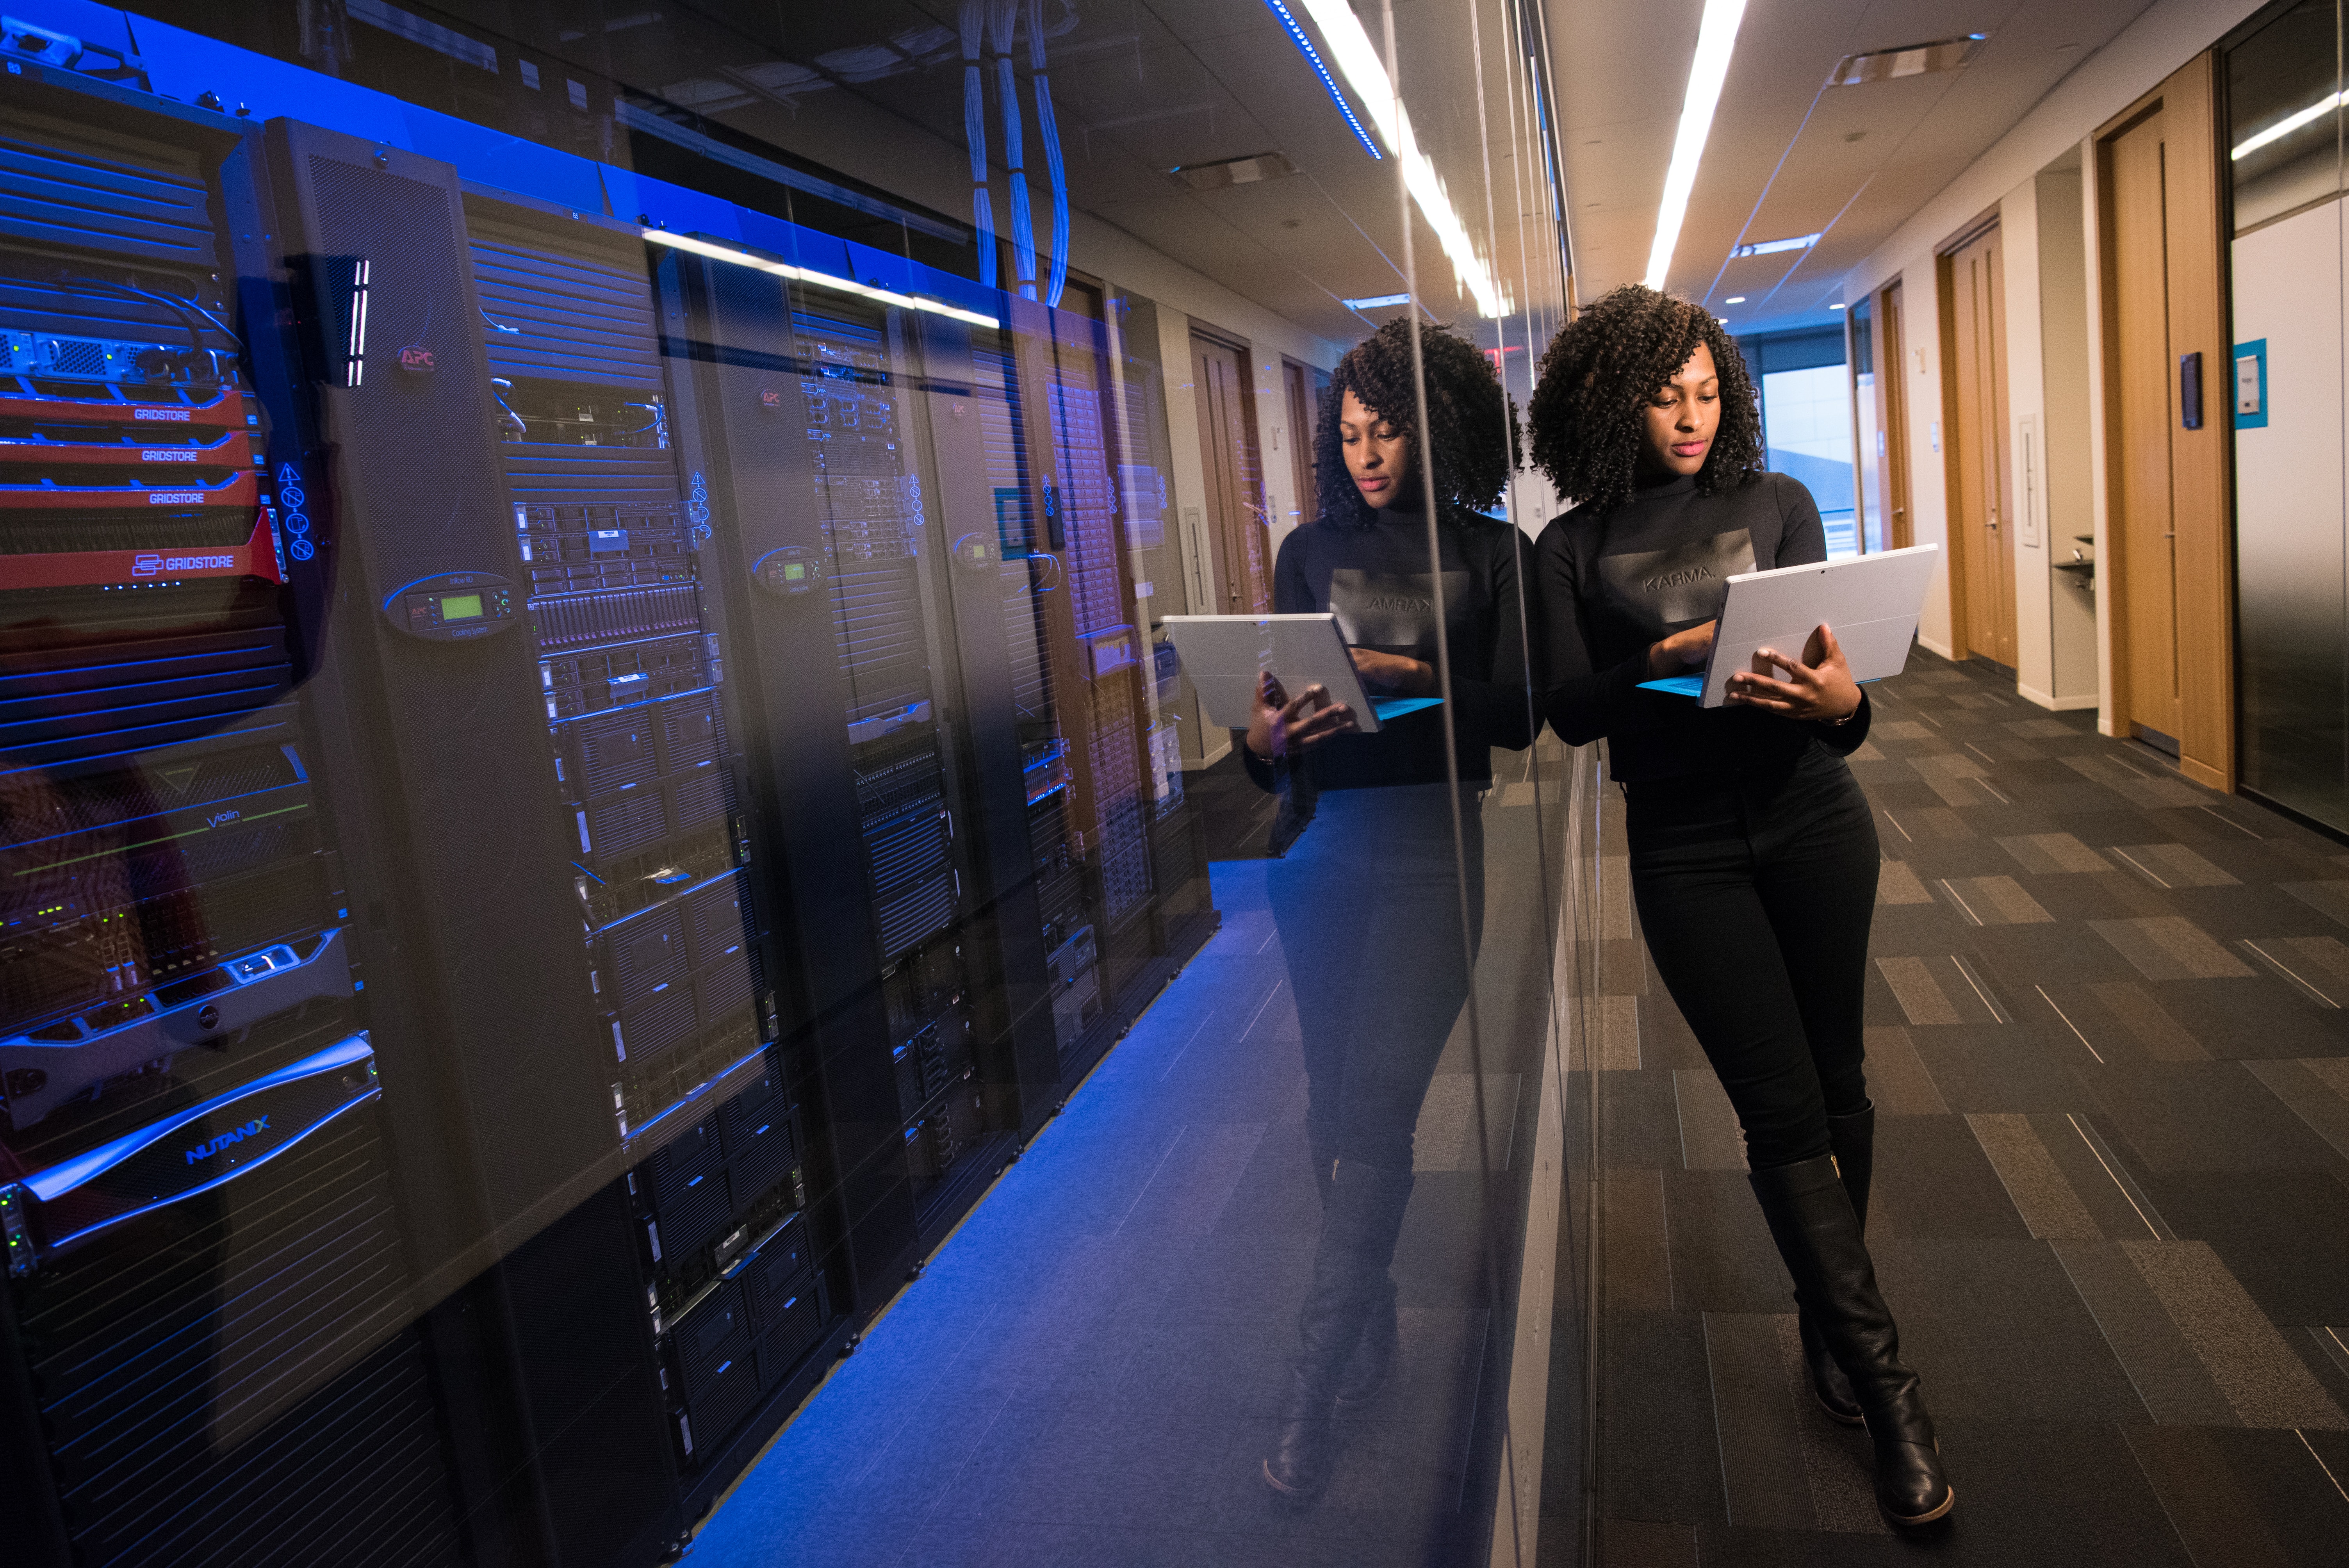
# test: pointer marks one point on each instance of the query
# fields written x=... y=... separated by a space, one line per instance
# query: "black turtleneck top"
x=1376 y=581
x=1613 y=585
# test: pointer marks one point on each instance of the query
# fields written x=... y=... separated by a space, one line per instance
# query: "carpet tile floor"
x=2108 y=1042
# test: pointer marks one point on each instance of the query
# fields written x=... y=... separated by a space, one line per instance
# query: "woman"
x=1368 y=897
x=1752 y=852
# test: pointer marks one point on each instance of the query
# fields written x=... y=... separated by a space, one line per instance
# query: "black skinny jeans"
x=1367 y=902
x=1756 y=891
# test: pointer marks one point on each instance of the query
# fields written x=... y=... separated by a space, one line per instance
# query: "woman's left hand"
x=1819 y=686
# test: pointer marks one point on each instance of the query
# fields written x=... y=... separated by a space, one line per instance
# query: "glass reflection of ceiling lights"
x=1775 y=247
x=742 y=258
x=1357 y=61
x=1304 y=42
x=2287 y=124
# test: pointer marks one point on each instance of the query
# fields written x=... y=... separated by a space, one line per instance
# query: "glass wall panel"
x=1868 y=432
x=640 y=916
x=2285 y=391
x=1807 y=422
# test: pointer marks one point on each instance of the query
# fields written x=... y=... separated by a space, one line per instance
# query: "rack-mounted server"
x=205 y=1275
x=559 y=829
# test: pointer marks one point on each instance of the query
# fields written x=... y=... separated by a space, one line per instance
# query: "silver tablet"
x=1872 y=602
x=1224 y=656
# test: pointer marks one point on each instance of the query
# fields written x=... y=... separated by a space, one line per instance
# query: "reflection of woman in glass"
x=1753 y=853
x=1368 y=899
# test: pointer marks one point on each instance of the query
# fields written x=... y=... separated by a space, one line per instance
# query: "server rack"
x=203 y=1313
x=803 y=415
x=495 y=984
x=1126 y=884
x=632 y=662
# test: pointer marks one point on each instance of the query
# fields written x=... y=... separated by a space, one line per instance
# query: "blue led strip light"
x=1313 y=58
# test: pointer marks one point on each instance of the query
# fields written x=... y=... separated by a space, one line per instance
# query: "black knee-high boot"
x=1852 y=1140
x=1321 y=1147
x=1811 y=1220
x=1358 y=1226
x=1374 y=1353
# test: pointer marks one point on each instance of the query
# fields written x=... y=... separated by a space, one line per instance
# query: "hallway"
x=1089 y=1371
x=2109 y=1052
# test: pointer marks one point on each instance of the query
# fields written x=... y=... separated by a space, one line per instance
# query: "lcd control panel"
x=453 y=607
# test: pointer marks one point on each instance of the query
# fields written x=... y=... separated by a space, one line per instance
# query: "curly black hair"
x=1473 y=422
x=1596 y=378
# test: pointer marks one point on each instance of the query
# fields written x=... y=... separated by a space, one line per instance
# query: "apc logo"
x=233 y=1136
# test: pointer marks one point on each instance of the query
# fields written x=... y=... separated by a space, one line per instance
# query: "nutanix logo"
x=233 y=1136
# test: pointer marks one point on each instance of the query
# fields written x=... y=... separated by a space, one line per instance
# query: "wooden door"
x=2167 y=565
x=1234 y=468
x=1303 y=387
x=1892 y=386
x=2142 y=514
x=1982 y=531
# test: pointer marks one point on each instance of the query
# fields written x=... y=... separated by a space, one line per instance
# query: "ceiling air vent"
x=1909 y=60
x=1234 y=170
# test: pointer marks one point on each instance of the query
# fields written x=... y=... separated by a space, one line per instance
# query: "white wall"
x=2026 y=413
x=1929 y=498
x=2168 y=34
x=2066 y=434
x=2048 y=435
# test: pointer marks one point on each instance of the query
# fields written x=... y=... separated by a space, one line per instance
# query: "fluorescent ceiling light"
x=1773 y=247
x=1375 y=301
x=1734 y=299
x=718 y=252
x=1835 y=307
x=2284 y=128
x=1341 y=30
x=1304 y=42
x=1716 y=35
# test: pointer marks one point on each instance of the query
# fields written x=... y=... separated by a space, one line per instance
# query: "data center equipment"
x=567 y=807
x=201 y=1320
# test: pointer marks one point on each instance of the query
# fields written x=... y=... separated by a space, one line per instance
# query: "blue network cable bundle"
x=574 y=783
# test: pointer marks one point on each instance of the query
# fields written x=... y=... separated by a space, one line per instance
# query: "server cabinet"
x=564 y=808
x=1126 y=900
x=205 y=1307
x=607 y=1019
x=863 y=745
x=671 y=876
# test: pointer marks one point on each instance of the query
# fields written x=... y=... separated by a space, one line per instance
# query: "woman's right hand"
x=1280 y=724
x=1681 y=651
